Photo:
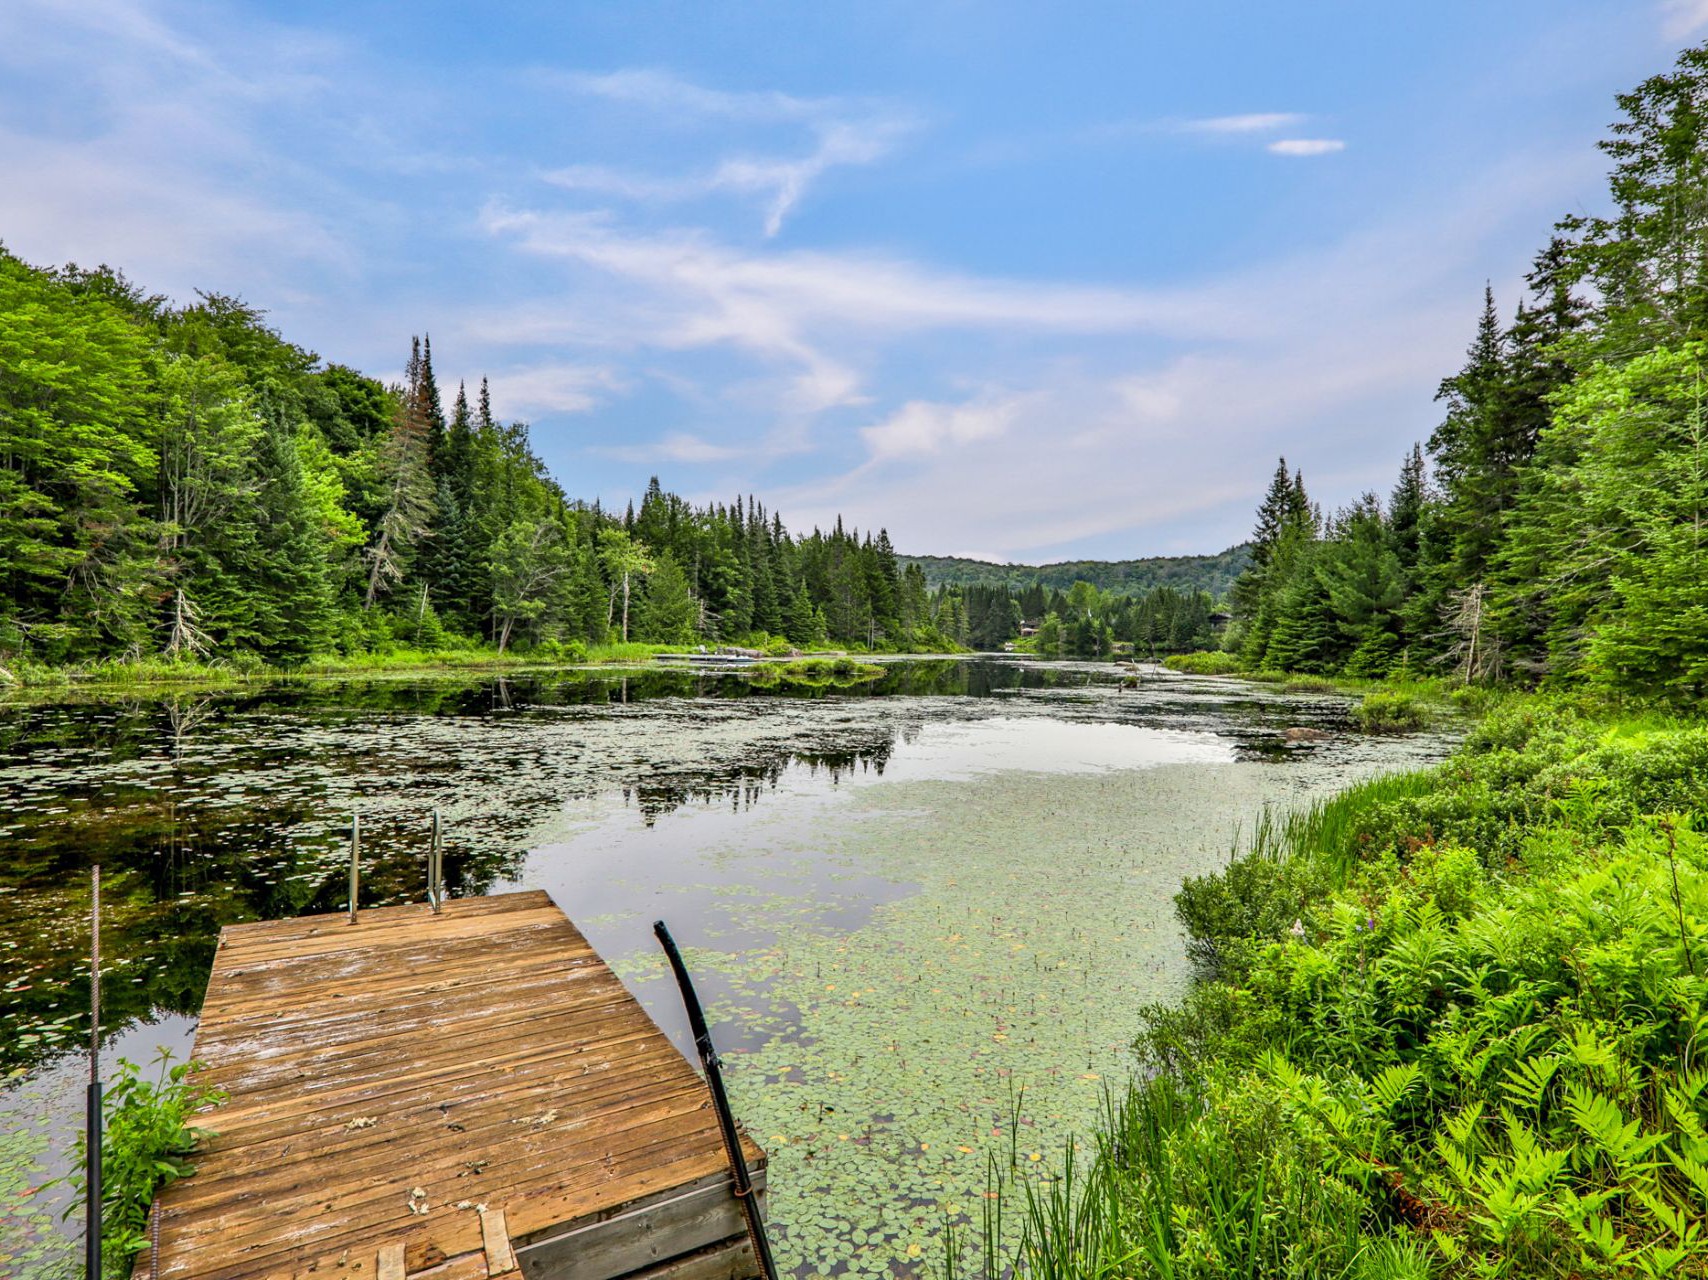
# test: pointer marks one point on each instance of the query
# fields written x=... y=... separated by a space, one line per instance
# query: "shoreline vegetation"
x=785 y=663
x=1447 y=1023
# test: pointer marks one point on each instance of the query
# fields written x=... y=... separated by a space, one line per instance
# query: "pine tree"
x=669 y=612
x=288 y=583
x=431 y=408
x=1479 y=447
x=404 y=470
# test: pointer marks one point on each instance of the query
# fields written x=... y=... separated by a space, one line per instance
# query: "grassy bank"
x=1396 y=704
x=1449 y=1024
x=150 y=672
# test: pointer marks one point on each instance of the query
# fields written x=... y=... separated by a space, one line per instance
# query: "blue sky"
x=1021 y=281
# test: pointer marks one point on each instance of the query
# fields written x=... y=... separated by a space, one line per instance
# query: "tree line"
x=1214 y=574
x=1554 y=527
x=1084 y=621
x=182 y=481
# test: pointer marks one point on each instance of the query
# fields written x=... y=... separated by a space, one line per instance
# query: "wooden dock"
x=460 y=1095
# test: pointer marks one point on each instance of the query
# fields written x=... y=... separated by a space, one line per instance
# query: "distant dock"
x=456 y=1095
x=711 y=659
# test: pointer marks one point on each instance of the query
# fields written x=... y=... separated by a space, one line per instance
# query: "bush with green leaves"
x=1390 y=713
x=1211 y=662
x=146 y=1144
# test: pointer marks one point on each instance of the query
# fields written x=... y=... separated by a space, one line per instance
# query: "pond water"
x=924 y=910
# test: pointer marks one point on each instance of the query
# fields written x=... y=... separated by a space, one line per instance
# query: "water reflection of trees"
x=209 y=809
x=744 y=786
x=141 y=787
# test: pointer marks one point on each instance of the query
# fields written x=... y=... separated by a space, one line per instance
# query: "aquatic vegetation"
x=1209 y=662
x=211 y=807
x=147 y=1141
x=30 y=1243
x=981 y=1018
x=1390 y=712
x=1453 y=1028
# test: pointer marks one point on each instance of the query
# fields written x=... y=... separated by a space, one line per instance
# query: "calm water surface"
x=925 y=910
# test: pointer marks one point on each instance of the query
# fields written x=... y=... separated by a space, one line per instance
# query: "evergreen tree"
x=669 y=612
x=404 y=471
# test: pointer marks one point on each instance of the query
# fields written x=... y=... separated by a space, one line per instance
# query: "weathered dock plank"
x=455 y=1095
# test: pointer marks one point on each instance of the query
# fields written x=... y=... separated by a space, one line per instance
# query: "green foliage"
x=1390 y=713
x=1186 y=574
x=1559 y=534
x=1450 y=1027
x=187 y=484
x=815 y=673
x=147 y=1142
x=1209 y=662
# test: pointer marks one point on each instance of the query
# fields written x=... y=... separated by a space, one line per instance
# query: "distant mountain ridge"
x=1214 y=574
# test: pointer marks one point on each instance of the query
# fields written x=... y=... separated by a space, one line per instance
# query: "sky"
x=1018 y=281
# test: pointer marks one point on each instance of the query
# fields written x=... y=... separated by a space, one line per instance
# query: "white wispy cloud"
x=783 y=180
x=843 y=132
x=922 y=427
x=1181 y=443
x=812 y=318
x=1683 y=18
x=766 y=300
x=678 y=447
x=667 y=94
x=151 y=165
x=1254 y=122
x=1306 y=146
x=553 y=387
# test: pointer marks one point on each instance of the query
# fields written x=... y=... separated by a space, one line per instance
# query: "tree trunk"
x=625 y=606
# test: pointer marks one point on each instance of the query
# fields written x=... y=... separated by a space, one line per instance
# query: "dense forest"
x=185 y=482
x=1211 y=574
x=1553 y=526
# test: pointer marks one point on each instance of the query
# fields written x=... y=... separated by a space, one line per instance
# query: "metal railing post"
x=739 y=1174
x=355 y=862
x=92 y=1120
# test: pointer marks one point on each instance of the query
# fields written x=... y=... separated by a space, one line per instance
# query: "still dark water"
x=781 y=831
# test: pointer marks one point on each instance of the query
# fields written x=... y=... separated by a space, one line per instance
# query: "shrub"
x=1210 y=662
x=146 y=1143
x=1309 y=684
x=570 y=652
x=1390 y=713
x=1478 y=1053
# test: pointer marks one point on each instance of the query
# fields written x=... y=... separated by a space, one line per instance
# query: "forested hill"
x=1214 y=574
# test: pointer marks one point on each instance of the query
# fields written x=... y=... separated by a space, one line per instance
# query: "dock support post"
x=355 y=862
x=720 y=1102
x=436 y=867
x=92 y=1130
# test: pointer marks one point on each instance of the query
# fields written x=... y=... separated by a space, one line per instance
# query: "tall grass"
x=1330 y=830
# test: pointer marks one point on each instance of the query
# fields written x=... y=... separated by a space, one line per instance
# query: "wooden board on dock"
x=466 y=1094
